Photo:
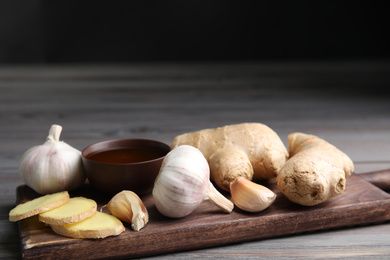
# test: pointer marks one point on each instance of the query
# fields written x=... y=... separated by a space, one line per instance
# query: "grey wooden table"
x=346 y=103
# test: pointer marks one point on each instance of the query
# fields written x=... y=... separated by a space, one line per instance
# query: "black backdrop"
x=121 y=31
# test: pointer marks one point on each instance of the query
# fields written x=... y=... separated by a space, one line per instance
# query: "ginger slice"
x=38 y=205
x=100 y=225
x=74 y=210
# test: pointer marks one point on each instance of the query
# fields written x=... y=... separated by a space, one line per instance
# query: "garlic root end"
x=139 y=221
x=128 y=207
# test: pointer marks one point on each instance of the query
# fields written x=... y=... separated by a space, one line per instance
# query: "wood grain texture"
x=380 y=179
x=208 y=226
x=345 y=103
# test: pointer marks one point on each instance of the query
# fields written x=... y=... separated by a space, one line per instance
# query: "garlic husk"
x=53 y=166
x=250 y=196
x=184 y=182
x=129 y=208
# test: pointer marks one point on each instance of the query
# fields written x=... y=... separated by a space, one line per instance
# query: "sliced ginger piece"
x=74 y=210
x=38 y=205
x=100 y=225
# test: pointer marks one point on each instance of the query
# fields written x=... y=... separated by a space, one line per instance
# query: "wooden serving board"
x=362 y=203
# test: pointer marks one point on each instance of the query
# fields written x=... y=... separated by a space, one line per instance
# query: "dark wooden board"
x=361 y=204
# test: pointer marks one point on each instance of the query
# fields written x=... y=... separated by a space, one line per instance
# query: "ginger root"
x=250 y=150
x=315 y=172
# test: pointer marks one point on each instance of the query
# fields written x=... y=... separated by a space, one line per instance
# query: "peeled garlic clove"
x=250 y=196
x=128 y=207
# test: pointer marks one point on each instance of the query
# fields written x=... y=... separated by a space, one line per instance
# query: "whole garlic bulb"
x=184 y=182
x=53 y=166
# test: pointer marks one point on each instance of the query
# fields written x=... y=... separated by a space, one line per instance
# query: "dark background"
x=126 y=31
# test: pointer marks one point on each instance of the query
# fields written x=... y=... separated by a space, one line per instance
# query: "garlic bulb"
x=53 y=166
x=184 y=182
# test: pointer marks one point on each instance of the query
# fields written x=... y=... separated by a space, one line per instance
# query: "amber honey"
x=126 y=155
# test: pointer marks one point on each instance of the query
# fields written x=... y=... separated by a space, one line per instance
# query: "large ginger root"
x=315 y=172
x=250 y=150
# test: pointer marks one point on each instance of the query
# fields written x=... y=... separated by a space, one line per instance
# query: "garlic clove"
x=218 y=199
x=128 y=207
x=250 y=196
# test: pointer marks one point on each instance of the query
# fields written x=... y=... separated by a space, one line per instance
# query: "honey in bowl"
x=126 y=155
x=124 y=164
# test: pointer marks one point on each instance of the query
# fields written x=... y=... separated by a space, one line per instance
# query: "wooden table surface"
x=346 y=103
